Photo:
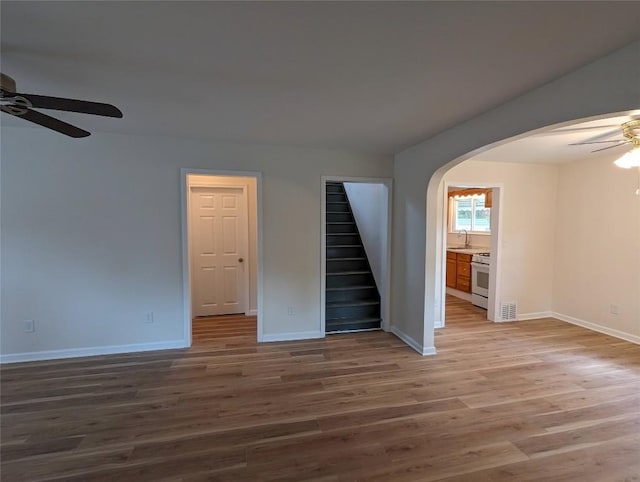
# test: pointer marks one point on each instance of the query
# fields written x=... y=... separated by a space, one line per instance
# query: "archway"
x=435 y=278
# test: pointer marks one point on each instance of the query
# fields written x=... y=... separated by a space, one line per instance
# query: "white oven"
x=480 y=264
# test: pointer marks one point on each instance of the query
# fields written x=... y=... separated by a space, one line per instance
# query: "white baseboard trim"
x=599 y=328
x=251 y=313
x=534 y=316
x=91 y=351
x=429 y=350
x=298 y=335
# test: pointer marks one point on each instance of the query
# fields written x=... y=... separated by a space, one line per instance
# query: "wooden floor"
x=536 y=400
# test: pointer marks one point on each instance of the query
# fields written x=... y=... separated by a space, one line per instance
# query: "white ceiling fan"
x=630 y=131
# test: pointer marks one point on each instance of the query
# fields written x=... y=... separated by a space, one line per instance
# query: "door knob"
x=240 y=260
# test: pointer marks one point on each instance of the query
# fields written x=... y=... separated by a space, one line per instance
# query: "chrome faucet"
x=466 y=238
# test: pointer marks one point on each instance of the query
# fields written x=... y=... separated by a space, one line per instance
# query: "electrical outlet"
x=29 y=326
x=290 y=311
x=614 y=309
x=148 y=317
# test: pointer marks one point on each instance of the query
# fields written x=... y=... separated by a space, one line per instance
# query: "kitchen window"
x=469 y=213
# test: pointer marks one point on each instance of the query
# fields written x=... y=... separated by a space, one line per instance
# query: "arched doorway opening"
x=528 y=276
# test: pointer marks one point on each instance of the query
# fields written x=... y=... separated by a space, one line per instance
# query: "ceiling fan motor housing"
x=631 y=130
x=7 y=84
x=12 y=103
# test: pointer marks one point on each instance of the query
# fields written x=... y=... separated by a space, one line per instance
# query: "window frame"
x=453 y=198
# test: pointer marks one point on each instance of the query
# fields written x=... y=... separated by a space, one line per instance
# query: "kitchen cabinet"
x=459 y=271
x=488 y=198
x=452 y=269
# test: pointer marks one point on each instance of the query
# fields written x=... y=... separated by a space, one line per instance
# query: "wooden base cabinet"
x=459 y=271
x=452 y=269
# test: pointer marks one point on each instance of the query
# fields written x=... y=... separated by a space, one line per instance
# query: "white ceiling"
x=557 y=145
x=365 y=76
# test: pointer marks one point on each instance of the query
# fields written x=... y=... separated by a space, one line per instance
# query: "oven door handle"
x=480 y=265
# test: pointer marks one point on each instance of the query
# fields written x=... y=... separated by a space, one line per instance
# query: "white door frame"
x=186 y=268
x=385 y=295
x=493 y=308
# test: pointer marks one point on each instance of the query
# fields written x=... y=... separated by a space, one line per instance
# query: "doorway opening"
x=221 y=254
x=470 y=223
x=355 y=254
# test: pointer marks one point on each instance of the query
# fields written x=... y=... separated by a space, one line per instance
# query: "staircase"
x=352 y=298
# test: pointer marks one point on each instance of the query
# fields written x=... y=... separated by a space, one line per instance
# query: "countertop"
x=468 y=250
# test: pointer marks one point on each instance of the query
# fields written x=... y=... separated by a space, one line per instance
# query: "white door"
x=218 y=241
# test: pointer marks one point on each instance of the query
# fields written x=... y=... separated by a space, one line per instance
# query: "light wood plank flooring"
x=535 y=400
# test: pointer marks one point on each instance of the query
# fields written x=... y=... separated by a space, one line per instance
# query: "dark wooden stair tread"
x=344 y=273
x=356 y=324
x=346 y=259
x=344 y=304
x=344 y=321
x=354 y=287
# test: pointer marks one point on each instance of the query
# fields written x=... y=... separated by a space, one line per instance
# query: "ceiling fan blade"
x=570 y=130
x=49 y=122
x=619 y=141
x=605 y=131
x=72 y=105
x=611 y=147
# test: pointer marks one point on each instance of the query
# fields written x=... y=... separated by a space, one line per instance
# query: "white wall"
x=369 y=206
x=607 y=85
x=597 y=250
x=475 y=240
x=528 y=222
x=91 y=235
x=194 y=180
x=455 y=239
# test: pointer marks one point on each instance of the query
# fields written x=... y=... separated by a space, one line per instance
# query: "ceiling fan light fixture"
x=629 y=159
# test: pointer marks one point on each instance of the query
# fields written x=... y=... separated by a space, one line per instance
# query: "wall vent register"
x=509 y=311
